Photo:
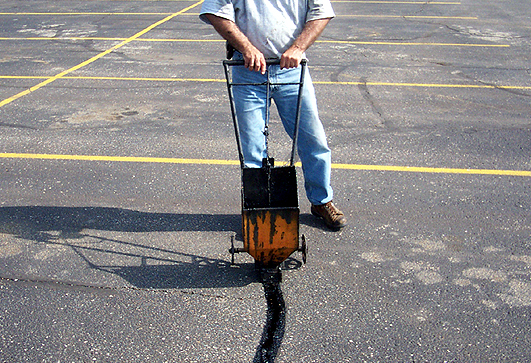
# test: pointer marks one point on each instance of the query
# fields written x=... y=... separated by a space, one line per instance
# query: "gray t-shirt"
x=270 y=25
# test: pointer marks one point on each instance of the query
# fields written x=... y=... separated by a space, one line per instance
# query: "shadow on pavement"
x=75 y=219
x=154 y=267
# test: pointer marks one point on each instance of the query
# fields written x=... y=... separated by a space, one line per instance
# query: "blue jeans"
x=251 y=103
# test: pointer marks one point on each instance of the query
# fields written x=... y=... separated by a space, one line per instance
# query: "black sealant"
x=275 y=325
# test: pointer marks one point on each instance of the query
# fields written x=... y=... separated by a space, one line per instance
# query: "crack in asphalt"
x=364 y=90
x=494 y=85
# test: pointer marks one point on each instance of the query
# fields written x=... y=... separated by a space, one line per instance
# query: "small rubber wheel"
x=232 y=250
x=304 y=249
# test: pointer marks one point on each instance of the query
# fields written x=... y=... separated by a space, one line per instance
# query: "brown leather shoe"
x=333 y=217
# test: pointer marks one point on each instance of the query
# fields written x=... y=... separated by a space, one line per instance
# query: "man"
x=279 y=29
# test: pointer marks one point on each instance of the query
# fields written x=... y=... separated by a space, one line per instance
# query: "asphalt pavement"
x=120 y=189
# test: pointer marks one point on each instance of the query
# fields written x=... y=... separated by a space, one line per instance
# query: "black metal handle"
x=226 y=65
x=269 y=62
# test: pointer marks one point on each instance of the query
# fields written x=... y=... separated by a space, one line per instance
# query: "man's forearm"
x=230 y=32
x=312 y=30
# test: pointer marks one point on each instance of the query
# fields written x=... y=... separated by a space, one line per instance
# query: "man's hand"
x=254 y=60
x=311 y=31
x=291 y=57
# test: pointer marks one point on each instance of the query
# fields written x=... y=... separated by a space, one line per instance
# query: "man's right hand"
x=254 y=60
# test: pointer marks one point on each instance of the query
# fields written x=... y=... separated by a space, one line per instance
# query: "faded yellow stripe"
x=96 y=57
x=194 y=14
x=335 y=1
x=407 y=16
x=83 y=13
x=149 y=79
x=132 y=159
x=217 y=80
x=151 y=1
x=427 y=85
x=347 y=1
x=383 y=16
x=413 y=43
x=414 y=169
x=398 y=2
x=360 y=42
x=140 y=159
x=115 y=39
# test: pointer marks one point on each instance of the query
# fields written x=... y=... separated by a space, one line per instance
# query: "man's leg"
x=250 y=103
x=311 y=144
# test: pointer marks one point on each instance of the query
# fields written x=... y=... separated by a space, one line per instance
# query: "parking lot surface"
x=120 y=189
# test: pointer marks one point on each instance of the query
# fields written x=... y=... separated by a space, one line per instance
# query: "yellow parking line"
x=196 y=14
x=115 y=39
x=222 y=41
x=424 y=85
x=133 y=159
x=151 y=1
x=138 y=159
x=345 y=1
x=62 y=38
x=135 y=79
x=414 y=169
x=412 y=43
x=150 y=79
x=337 y=1
x=218 y=80
x=334 y=1
x=398 y=2
x=391 y=16
x=85 y=13
x=96 y=57
x=24 y=77
x=409 y=17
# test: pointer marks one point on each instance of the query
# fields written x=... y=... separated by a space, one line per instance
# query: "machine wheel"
x=304 y=248
x=232 y=250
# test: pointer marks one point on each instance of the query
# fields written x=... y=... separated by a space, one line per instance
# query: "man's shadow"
x=157 y=267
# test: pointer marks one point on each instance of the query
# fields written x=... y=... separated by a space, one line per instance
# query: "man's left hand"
x=311 y=31
x=291 y=57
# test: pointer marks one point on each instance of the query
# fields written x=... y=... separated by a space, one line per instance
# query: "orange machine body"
x=270 y=236
x=270 y=214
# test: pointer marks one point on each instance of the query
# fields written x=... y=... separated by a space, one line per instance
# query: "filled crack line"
x=275 y=325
